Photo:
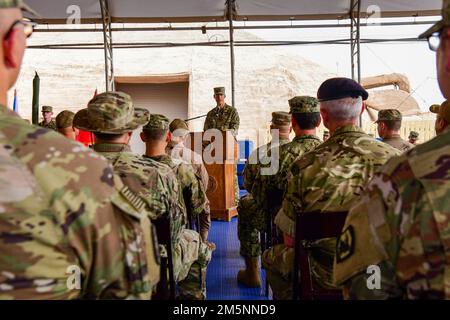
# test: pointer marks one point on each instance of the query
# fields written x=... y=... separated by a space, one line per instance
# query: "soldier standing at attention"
x=400 y=227
x=192 y=254
x=251 y=218
x=48 y=122
x=64 y=124
x=329 y=178
x=389 y=123
x=62 y=206
x=413 y=137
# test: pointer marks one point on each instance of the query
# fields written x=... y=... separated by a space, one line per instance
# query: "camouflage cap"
x=157 y=121
x=64 y=119
x=388 y=115
x=281 y=118
x=219 y=90
x=326 y=132
x=413 y=134
x=110 y=113
x=304 y=104
x=444 y=22
x=442 y=110
x=19 y=4
x=47 y=109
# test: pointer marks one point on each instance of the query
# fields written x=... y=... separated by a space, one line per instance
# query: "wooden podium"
x=219 y=151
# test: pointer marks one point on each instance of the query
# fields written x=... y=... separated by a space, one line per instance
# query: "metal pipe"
x=230 y=20
x=343 y=25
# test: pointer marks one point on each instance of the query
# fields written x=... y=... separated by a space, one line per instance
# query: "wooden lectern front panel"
x=222 y=174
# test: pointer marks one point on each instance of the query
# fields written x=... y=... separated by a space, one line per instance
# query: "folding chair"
x=270 y=236
x=312 y=226
x=165 y=289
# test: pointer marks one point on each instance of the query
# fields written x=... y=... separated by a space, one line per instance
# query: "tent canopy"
x=135 y=11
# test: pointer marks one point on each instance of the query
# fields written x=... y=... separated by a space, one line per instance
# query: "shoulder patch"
x=345 y=246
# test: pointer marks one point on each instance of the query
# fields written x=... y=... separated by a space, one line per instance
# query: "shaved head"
x=7 y=17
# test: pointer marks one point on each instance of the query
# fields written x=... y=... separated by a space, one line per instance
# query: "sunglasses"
x=28 y=27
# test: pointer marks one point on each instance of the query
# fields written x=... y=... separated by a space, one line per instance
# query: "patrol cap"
x=442 y=110
x=19 y=4
x=444 y=22
x=326 y=132
x=338 y=88
x=281 y=118
x=304 y=104
x=64 y=119
x=219 y=90
x=389 y=115
x=110 y=113
x=413 y=134
x=157 y=121
x=47 y=109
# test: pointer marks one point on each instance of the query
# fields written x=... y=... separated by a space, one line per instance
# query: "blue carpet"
x=221 y=283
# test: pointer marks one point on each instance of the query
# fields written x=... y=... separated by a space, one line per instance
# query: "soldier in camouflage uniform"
x=326 y=135
x=329 y=178
x=48 y=122
x=224 y=117
x=389 y=124
x=179 y=153
x=251 y=218
x=195 y=253
x=64 y=215
x=401 y=225
x=64 y=124
x=442 y=116
x=413 y=137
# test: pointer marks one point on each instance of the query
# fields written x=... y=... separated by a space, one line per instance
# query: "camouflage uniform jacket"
x=154 y=182
x=63 y=211
x=331 y=178
x=402 y=224
x=50 y=125
x=226 y=118
x=252 y=166
x=192 y=189
x=398 y=143
x=179 y=151
x=288 y=154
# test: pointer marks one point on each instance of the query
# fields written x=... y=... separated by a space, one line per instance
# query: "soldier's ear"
x=142 y=135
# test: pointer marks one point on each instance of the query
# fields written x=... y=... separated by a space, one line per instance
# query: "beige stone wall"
x=265 y=77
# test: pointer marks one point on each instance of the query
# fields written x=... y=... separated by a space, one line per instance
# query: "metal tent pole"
x=230 y=13
x=108 y=46
x=355 y=40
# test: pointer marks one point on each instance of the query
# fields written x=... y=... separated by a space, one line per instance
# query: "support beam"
x=355 y=39
x=108 y=46
x=231 y=10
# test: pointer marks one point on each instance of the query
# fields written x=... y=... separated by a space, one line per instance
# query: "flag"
x=15 y=102
x=85 y=137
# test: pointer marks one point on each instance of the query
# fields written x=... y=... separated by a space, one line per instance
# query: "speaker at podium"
x=219 y=151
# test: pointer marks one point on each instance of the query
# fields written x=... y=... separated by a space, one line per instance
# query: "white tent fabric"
x=214 y=10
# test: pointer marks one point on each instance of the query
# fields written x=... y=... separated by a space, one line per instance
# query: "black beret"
x=338 y=88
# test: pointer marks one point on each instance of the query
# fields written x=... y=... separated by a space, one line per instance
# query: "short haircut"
x=393 y=125
x=307 y=121
x=343 y=109
x=155 y=134
x=107 y=136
